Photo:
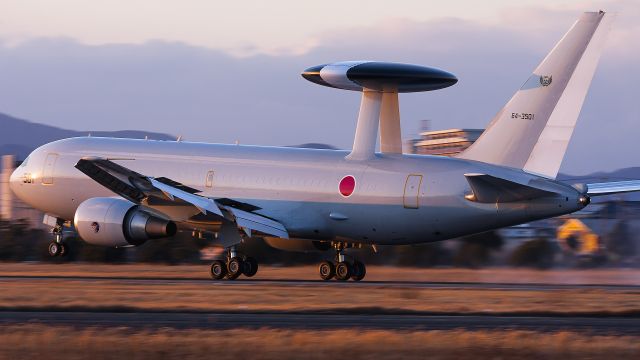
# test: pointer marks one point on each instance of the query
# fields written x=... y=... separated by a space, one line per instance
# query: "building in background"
x=444 y=142
x=11 y=208
x=6 y=197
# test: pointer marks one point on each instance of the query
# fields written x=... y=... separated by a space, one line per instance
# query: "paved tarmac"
x=317 y=321
x=333 y=283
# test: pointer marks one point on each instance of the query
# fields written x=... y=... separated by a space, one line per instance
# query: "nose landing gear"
x=57 y=247
x=234 y=266
x=342 y=269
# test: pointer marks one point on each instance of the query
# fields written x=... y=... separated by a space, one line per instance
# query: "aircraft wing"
x=139 y=188
x=608 y=188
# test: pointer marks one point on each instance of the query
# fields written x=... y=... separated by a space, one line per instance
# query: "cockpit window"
x=24 y=163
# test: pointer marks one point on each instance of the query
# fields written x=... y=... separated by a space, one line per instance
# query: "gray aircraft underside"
x=122 y=192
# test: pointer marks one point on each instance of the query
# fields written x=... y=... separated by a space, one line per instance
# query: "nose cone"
x=14 y=182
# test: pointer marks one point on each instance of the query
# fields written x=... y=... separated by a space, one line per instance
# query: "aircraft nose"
x=14 y=181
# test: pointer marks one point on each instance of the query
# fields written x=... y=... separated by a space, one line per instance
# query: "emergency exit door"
x=412 y=191
x=49 y=165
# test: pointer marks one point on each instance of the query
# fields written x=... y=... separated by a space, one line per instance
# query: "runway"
x=296 y=283
x=317 y=321
x=139 y=299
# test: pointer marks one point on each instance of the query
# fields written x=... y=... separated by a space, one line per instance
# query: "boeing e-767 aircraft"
x=123 y=192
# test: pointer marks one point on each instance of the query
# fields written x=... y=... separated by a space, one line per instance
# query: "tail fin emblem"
x=545 y=80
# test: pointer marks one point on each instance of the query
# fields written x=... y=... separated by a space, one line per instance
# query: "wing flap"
x=608 y=188
x=257 y=222
x=203 y=204
x=491 y=189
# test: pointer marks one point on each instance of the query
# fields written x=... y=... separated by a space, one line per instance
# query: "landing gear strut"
x=57 y=247
x=342 y=269
x=234 y=266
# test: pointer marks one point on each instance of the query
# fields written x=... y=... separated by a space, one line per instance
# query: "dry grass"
x=40 y=341
x=107 y=294
x=264 y=297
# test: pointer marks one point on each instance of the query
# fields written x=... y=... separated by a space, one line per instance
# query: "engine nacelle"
x=299 y=245
x=119 y=222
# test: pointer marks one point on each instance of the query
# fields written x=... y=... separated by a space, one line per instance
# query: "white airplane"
x=123 y=192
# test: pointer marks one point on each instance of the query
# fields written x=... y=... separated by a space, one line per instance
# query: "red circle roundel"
x=347 y=185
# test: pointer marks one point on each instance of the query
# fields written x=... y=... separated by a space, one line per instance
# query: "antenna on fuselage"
x=380 y=83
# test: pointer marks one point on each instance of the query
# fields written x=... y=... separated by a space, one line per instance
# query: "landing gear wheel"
x=64 y=250
x=234 y=268
x=250 y=267
x=343 y=271
x=327 y=270
x=359 y=271
x=218 y=270
x=54 y=249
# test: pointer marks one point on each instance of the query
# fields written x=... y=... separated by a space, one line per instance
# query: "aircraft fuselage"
x=397 y=199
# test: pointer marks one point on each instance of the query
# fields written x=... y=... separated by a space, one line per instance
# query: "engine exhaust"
x=140 y=226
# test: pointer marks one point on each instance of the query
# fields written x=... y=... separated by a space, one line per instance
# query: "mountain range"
x=19 y=137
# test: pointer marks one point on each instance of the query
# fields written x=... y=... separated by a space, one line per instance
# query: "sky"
x=230 y=71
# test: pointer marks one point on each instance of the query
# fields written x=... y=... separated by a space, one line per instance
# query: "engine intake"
x=118 y=222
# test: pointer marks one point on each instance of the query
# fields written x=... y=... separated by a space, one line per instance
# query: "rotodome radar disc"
x=379 y=76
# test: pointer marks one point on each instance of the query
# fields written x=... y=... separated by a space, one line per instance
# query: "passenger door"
x=412 y=191
x=49 y=166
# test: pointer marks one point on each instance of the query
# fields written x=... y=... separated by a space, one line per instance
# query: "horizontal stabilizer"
x=491 y=189
x=608 y=188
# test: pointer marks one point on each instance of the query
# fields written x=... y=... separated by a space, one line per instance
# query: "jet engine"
x=118 y=222
x=299 y=245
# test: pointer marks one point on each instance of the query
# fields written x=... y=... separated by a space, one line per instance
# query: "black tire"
x=359 y=271
x=54 y=249
x=234 y=268
x=64 y=249
x=327 y=270
x=218 y=270
x=250 y=267
x=343 y=271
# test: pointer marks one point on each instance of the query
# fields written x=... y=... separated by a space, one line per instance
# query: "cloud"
x=210 y=95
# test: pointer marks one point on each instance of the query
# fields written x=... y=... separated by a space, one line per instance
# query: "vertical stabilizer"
x=533 y=129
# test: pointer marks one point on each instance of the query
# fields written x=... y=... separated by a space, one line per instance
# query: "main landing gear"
x=234 y=266
x=342 y=269
x=57 y=247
